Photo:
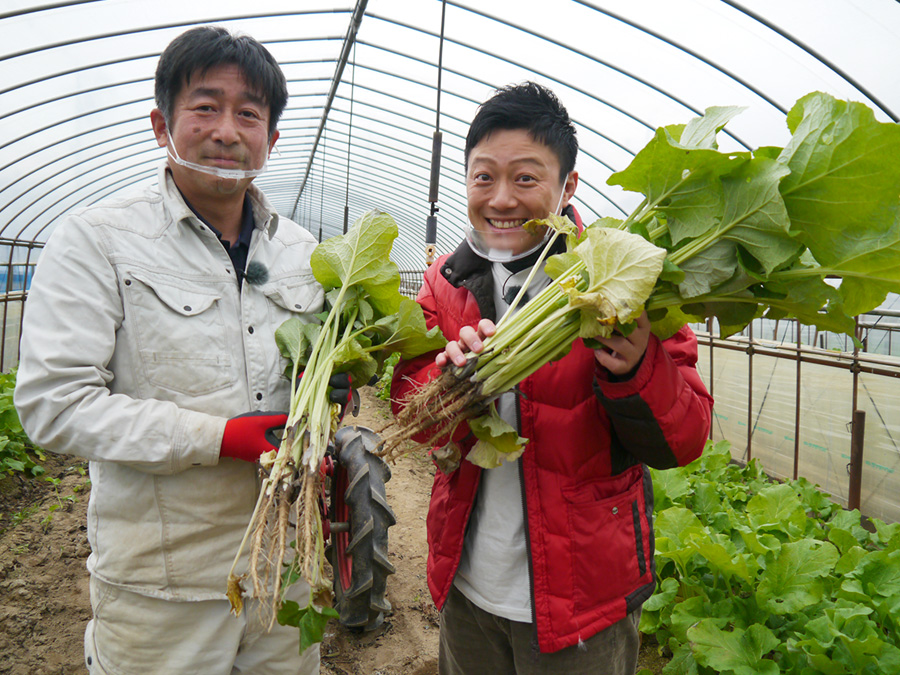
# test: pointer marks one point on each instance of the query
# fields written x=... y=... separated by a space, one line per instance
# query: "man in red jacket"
x=541 y=565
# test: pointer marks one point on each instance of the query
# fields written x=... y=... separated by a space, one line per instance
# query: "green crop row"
x=760 y=577
x=17 y=452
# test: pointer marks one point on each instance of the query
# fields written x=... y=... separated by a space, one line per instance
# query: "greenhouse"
x=381 y=94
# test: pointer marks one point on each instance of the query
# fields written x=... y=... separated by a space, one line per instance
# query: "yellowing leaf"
x=497 y=441
x=622 y=268
x=235 y=594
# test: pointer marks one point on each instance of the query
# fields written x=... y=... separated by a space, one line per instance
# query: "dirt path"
x=45 y=604
x=44 y=600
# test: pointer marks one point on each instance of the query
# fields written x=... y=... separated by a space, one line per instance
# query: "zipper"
x=535 y=648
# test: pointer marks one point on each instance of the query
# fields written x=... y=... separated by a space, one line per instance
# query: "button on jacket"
x=138 y=345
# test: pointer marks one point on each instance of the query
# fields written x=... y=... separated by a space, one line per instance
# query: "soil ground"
x=44 y=600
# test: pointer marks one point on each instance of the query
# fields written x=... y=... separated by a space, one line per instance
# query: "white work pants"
x=134 y=634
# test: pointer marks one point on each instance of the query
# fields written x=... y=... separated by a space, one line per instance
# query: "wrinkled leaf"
x=405 y=332
x=737 y=651
x=310 y=620
x=362 y=257
x=295 y=339
x=792 y=580
x=497 y=442
x=622 y=270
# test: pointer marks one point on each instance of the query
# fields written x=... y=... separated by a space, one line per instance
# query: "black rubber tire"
x=359 y=558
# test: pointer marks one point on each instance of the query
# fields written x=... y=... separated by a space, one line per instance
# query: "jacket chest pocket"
x=180 y=333
x=291 y=298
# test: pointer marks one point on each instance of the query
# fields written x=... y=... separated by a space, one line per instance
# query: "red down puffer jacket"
x=588 y=495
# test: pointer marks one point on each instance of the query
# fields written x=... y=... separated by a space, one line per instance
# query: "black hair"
x=201 y=49
x=534 y=108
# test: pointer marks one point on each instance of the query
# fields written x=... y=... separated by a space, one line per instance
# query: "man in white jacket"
x=148 y=335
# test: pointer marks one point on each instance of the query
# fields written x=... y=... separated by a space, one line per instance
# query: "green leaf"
x=559 y=264
x=669 y=487
x=675 y=523
x=682 y=662
x=888 y=535
x=497 y=442
x=295 y=339
x=405 y=332
x=792 y=580
x=849 y=560
x=362 y=257
x=738 y=651
x=561 y=224
x=686 y=614
x=708 y=269
x=701 y=132
x=666 y=171
x=842 y=191
x=877 y=575
x=726 y=561
x=311 y=621
x=754 y=213
x=664 y=594
x=352 y=357
x=776 y=508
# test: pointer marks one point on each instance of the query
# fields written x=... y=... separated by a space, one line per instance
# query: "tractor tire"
x=359 y=558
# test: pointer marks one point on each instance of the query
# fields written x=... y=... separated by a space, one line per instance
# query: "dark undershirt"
x=241 y=248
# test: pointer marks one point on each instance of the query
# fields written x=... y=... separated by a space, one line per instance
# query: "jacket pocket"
x=292 y=297
x=608 y=535
x=181 y=334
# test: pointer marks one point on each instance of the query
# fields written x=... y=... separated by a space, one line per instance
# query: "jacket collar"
x=265 y=217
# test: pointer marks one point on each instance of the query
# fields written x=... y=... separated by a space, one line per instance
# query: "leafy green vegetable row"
x=764 y=577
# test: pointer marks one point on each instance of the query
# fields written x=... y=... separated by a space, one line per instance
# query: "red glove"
x=249 y=435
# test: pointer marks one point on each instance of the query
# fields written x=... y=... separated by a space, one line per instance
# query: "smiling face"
x=217 y=120
x=511 y=179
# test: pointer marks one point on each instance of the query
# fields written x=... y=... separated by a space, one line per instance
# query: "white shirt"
x=493 y=569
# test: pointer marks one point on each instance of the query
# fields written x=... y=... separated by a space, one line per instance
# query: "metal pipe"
x=358 y=13
x=797 y=408
x=750 y=351
x=890 y=368
x=857 y=441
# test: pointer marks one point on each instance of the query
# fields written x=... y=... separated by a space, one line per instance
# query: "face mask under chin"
x=234 y=174
x=481 y=242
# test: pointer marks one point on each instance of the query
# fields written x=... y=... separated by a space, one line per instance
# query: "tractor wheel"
x=358 y=551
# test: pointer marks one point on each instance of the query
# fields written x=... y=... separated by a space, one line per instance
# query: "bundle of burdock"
x=808 y=232
x=366 y=320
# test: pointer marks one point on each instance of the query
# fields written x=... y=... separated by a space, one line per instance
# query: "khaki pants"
x=134 y=634
x=474 y=642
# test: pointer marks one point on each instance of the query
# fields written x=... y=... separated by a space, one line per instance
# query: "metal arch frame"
x=814 y=53
x=352 y=30
x=599 y=191
x=357 y=14
x=42 y=8
x=553 y=78
x=583 y=152
x=162 y=26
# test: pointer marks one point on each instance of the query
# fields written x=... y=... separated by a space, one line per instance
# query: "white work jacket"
x=137 y=346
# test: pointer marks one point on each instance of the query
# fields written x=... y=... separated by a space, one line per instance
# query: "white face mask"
x=235 y=174
x=478 y=244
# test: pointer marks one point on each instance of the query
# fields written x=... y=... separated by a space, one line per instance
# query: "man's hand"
x=470 y=340
x=625 y=353
x=249 y=435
